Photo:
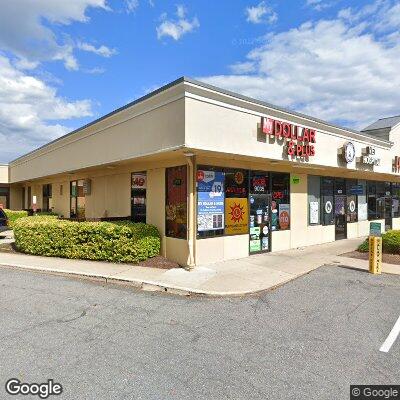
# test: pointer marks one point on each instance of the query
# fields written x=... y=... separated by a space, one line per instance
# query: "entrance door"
x=138 y=197
x=340 y=217
x=388 y=213
x=260 y=223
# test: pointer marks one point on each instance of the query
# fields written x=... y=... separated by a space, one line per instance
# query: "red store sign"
x=300 y=140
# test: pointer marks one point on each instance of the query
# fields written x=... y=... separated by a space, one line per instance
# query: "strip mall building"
x=221 y=175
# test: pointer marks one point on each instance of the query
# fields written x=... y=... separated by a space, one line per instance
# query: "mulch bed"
x=386 y=258
x=155 y=262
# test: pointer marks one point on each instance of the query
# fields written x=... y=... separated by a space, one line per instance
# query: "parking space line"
x=391 y=338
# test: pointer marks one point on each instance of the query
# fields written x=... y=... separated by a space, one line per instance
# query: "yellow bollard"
x=375 y=255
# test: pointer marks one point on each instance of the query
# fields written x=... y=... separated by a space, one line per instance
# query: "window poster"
x=314 y=212
x=210 y=200
x=284 y=216
x=236 y=216
x=362 y=211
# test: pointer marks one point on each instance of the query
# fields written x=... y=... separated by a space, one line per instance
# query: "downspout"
x=191 y=160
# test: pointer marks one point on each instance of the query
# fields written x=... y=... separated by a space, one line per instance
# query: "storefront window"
x=362 y=212
x=47 y=197
x=371 y=198
x=327 y=215
x=176 y=202
x=138 y=196
x=314 y=200
x=351 y=204
x=4 y=195
x=236 y=202
x=210 y=202
x=78 y=201
x=396 y=199
x=280 y=204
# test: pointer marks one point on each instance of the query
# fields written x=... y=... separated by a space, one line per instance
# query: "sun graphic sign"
x=236 y=216
x=236 y=213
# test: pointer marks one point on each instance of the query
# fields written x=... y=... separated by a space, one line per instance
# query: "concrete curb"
x=146 y=285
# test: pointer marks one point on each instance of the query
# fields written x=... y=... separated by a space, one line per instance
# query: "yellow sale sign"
x=236 y=216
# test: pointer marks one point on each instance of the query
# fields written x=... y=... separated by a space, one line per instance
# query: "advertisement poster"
x=314 y=212
x=284 y=216
x=236 y=216
x=139 y=180
x=255 y=245
x=210 y=200
x=362 y=211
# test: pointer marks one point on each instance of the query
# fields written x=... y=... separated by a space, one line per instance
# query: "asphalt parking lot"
x=309 y=339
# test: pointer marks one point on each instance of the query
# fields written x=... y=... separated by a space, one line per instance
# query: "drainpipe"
x=191 y=160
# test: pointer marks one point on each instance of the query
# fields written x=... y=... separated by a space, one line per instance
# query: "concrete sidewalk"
x=228 y=278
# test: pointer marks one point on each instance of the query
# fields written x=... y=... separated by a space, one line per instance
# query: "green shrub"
x=45 y=213
x=364 y=246
x=14 y=216
x=390 y=243
x=106 y=241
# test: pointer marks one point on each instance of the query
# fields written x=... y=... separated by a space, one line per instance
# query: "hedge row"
x=105 y=241
x=390 y=243
x=14 y=216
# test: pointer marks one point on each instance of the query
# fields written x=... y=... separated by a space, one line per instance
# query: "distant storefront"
x=222 y=176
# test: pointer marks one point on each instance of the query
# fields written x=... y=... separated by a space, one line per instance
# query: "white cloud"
x=261 y=14
x=25 y=28
x=177 y=28
x=319 y=5
x=30 y=110
x=131 y=5
x=102 y=51
x=243 y=67
x=340 y=70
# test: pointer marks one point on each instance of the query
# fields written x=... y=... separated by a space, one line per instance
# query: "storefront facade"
x=4 y=187
x=222 y=176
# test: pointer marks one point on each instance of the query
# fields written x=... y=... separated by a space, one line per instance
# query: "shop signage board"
x=314 y=212
x=299 y=140
x=369 y=156
x=357 y=189
x=210 y=200
x=236 y=216
x=375 y=229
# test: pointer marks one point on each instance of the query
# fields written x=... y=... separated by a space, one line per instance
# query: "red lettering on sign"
x=300 y=139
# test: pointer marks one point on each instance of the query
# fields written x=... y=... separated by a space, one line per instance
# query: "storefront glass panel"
x=176 y=202
x=327 y=201
x=138 y=196
x=280 y=202
x=260 y=212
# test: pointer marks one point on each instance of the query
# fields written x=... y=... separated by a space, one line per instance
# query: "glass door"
x=340 y=217
x=138 y=197
x=388 y=213
x=340 y=201
x=260 y=213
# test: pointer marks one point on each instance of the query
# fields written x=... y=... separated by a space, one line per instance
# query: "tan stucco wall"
x=136 y=132
x=396 y=223
x=3 y=174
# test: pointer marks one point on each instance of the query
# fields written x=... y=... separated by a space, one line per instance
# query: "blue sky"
x=63 y=64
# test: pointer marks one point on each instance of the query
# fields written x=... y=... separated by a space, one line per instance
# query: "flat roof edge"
x=281 y=109
x=204 y=85
x=102 y=118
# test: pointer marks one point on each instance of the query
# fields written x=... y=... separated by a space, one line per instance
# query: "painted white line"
x=391 y=338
